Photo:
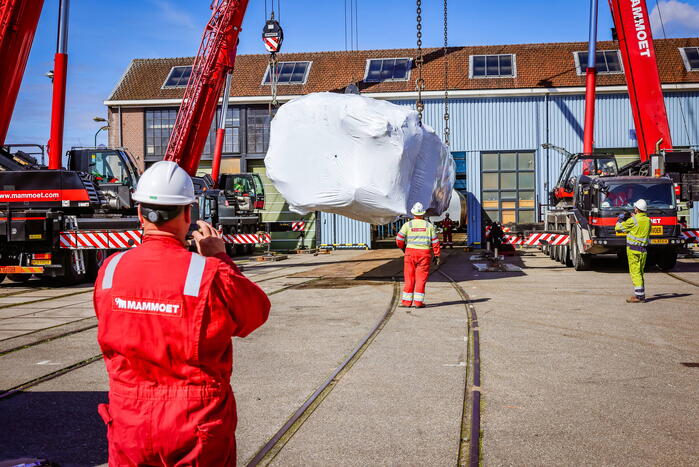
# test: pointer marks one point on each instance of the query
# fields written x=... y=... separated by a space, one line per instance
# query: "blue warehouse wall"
x=524 y=123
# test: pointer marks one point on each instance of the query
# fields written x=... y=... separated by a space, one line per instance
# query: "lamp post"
x=105 y=127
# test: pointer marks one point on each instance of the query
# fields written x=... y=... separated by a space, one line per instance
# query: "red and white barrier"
x=120 y=240
x=247 y=239
x=692 y=236
x=552 y=239
x=99 y=239
x=514 y=240
x=298 y=226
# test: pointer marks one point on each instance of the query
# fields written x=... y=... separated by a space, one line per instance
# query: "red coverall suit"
x=419 y=239
x=165 y=321
x=447 y=231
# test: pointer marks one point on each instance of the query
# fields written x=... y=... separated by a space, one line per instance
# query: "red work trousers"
x=416 y=269
x=447 y=239
x=174 y=426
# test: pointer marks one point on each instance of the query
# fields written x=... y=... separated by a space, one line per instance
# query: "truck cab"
x=600 y=200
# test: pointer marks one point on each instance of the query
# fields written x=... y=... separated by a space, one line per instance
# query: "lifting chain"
x=447 y=130
x=273 y=78
x=419 y=82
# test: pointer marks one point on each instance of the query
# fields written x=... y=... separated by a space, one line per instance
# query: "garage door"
x=279 y=216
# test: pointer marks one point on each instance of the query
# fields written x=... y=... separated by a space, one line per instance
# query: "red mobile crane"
x=63 y=222
x=586 y=206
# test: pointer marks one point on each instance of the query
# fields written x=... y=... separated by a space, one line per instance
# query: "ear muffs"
x=158 y=215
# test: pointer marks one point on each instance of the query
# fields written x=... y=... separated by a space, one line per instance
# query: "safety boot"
x=635 y=299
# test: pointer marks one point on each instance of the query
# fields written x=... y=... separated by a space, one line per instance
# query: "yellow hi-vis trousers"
x=637 y=263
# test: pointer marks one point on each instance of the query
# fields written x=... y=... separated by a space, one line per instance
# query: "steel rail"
x=267 y=453
x=676 y=276
x=21 y=387
x=21 y=292
x=45 y=299
x=470 y=425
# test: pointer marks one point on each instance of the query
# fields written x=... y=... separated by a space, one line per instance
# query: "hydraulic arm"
x=214 y=61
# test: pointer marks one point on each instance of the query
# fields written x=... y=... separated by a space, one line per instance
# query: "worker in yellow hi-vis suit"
x=637 y=229
x=418 y=239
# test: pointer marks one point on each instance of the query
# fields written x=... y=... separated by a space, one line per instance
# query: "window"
x=178 y=77
x=607 y=61
x=492 y=66
x=460 y=162
x=289 y=73
x=508 y=186
x=387 y=69
x=690 y=55
x=258 y=130
x=160 y=122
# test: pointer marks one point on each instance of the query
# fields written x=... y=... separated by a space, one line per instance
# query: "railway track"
x=67 y=369
x=469 y=439
x=680 y=278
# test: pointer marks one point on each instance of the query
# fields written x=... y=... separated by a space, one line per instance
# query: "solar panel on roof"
x=387 y=69
x=289 y=73
x=492 y=66
x=692 y=55
x=606 y=61
x=179 y=76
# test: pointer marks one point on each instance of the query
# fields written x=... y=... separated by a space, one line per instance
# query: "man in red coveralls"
x=166 y=318
x=418 y=239
x=447 y=231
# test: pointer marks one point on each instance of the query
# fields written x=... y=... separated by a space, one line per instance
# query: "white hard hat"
x=418 y=209
x=165 y=183
x=641 y=205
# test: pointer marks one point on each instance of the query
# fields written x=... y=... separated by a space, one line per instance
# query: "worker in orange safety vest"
x=166 y=317
x=418 y=239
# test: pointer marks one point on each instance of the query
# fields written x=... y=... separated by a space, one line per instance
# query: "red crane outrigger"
x=214 y=61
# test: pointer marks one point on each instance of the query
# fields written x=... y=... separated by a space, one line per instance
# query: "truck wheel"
x=666 y=260
x=581 y=262
x=19 y=277
x=70 y=275
x=568 y=260
x=94 y=260
x=552 y=252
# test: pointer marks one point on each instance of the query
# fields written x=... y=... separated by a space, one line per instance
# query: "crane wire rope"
x=684 y=117
x=447 y=130
x=420 y=81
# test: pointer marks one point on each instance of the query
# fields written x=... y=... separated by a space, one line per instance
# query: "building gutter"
x=573 y=90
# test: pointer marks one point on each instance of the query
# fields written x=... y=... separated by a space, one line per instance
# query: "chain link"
x=447 y=130
x=420 y=82
x=273 y=78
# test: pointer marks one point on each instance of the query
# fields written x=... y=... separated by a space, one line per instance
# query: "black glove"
x=436 y=260
x=620 y=217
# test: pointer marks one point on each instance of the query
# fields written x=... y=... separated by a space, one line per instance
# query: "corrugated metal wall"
x=343 y=231
x=524 y=123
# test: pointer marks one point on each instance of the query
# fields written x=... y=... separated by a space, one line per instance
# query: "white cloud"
x=680 y=18
x=175 y=15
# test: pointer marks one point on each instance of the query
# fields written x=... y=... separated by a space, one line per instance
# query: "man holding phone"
x=166 y=317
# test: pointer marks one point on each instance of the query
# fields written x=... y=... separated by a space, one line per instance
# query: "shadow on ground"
x=62 y=427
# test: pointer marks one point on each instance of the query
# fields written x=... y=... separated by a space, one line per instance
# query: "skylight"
x=289 y=73
x=607 y=61
x=690 y=55
x=387 y=69
x=493 y=66
x=178 y=77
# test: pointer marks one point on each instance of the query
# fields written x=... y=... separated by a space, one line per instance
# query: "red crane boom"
x=216 y=57
x=641 y=69
x=18 y=22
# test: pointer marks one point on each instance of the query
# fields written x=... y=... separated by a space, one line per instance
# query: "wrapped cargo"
x=362 y=158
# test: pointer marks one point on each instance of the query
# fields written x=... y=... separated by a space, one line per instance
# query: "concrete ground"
x=571 y=375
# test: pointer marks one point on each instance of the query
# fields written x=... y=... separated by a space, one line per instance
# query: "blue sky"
x=106 y=34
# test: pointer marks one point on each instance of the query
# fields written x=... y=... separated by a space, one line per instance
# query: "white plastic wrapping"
x=358 y=157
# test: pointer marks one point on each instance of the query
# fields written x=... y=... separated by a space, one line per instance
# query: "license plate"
x=620 y=234
x=36 y=237
x=41 y=262
x=659 y=241
x=656 y=230
x=20 y=270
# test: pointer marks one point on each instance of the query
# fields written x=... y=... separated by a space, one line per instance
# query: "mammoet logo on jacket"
x=154 y=307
